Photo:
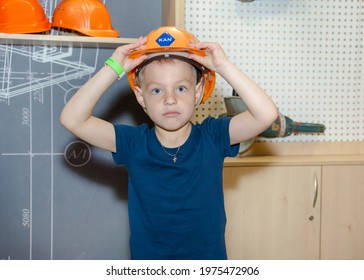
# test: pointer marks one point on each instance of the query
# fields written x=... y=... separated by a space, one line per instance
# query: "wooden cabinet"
x=342 y=226
x=271 y=213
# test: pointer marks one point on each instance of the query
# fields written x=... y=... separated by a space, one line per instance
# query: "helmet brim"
x=141 y=52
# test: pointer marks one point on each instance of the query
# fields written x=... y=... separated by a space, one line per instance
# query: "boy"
x=175 y=197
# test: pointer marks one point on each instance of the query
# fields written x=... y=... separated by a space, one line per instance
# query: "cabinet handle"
x=315 y=184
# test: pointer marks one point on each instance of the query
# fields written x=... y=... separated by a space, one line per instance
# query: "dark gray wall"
x=61 y=198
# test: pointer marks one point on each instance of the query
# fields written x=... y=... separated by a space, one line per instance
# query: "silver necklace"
x=172 y=155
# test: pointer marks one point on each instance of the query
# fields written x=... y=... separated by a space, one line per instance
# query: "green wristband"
x=115 y=66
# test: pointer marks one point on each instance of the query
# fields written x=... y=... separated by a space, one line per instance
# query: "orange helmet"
x=89 y=17
x=22 y=16
x=170 y=41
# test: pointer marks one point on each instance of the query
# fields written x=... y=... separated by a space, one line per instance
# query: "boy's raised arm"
x=77 y=114
x=261 y=111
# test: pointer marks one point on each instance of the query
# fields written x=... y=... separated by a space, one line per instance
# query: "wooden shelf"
x=300 y=153
x=63 y=40
x=173 y=14
x=295 y=160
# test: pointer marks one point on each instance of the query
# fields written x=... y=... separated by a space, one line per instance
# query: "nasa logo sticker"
x=165 y=39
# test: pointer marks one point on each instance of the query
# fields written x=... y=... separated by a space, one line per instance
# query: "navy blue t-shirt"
x=176 y=209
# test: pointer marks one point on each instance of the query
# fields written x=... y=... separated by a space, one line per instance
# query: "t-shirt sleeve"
x=218 y=128
x=126 y=139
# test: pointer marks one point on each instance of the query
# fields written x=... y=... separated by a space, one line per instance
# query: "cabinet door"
x=270 y=213
x=342 y=212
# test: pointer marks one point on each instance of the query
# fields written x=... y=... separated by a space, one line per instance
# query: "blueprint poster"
x=61 y=198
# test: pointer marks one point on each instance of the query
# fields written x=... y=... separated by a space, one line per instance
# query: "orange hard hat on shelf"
x=89 y=17
x=22 y=16
x=173 y=42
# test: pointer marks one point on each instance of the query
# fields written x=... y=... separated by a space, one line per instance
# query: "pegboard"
x=306 y=54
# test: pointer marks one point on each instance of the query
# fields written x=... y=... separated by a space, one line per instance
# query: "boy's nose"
x=170 y=99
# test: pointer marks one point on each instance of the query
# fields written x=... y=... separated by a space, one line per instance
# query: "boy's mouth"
x=170 y=114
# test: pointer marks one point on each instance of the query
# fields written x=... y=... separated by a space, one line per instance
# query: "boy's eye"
x=156 y=91
x=181 y=89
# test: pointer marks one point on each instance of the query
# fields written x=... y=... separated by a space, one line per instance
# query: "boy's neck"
x=173 y=139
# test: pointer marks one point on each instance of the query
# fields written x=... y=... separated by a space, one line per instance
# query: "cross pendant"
x=174 y=159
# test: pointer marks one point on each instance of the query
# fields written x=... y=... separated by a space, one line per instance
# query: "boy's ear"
x=199 y=91
x=139 y=96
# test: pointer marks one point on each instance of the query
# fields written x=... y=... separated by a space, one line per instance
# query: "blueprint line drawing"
x=32 y=72
x=16 y=83
x=59 y=197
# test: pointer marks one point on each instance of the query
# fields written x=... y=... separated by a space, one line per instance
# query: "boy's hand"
x=121 y=54
x=215 y=58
